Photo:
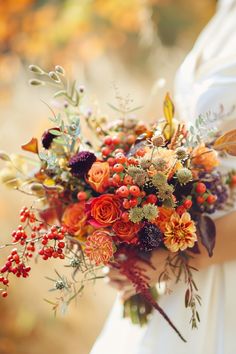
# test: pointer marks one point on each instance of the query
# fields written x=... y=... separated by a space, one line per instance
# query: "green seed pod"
x=54 y=76
x=35 y=82
x=36 y=69
x=60 y=70
x=4 y=156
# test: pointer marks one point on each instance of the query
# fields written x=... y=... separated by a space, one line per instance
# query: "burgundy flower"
x=150 y=237
x=81 y=163
x=48 y=137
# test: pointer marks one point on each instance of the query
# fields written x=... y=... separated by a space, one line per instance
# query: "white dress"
x=206 y=79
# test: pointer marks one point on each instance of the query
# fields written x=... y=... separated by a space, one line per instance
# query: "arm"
x=225 y=250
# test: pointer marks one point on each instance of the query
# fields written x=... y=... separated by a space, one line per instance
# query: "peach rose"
x=74 y=218
x=104 y=210
x=125 y=231
x=205 y=158
x=98 y=176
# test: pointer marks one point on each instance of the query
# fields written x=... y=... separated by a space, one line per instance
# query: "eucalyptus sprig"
x=57 y=78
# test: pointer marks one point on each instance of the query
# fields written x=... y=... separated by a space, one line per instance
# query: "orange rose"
x=205 y=158
x=98 y=176
x=74 y=218
x=99 y=247
x=105 y=210
x=126 y=231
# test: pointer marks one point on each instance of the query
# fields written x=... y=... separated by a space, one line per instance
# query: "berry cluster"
x=27 y=235
x=53 y=243
x=111 y=143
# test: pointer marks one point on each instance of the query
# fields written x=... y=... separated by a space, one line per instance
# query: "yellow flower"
x=180 y=232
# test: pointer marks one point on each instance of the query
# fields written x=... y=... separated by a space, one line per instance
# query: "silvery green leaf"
x=60 y=93
x=55 y=132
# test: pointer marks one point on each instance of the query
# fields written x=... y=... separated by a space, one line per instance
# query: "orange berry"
x=200 y=200
x=116 y=178
x=211 y=199
x=126 y=204
x=131 y=139
x=140 y=152
x=134 y=191
x=118 y=168
x=123 y=192
x=128 y=180
x=82 y=196
x=120 y=158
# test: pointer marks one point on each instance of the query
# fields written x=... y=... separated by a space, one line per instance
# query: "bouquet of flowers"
x=114 y=199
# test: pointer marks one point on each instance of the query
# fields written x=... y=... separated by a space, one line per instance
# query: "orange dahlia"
x=180 y=232
x=99 y=247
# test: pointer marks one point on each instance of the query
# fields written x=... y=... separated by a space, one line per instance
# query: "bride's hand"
x=124 y=285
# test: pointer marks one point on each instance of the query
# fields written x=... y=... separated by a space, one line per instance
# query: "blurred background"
x=133 y=45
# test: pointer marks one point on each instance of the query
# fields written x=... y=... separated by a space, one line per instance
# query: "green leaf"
x=55 y=132
x=60 y=93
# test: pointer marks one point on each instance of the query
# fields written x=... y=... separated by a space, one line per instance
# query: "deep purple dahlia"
x=150 y=237
x=48 y=137
x=81 y=163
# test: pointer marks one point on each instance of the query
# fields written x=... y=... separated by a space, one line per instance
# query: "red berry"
x=126 y=204
x=106 y=151
x=200 y=200
x=5 y=281
x=188 y=203
x=125 y=216
x=82 y=196
x=180 y=210
x=111 y=161
x=200 y=188
x=108 y=140
x=152 y=199
x=61 y=244
x=134 y=191
x=133 y=202
x=116 y=140
x=211 y=199
x=123 y=192
x=4 y=294
x=233 y=180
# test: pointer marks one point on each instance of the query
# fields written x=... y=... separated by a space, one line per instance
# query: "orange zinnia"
x=180 y=232
x=99 y=247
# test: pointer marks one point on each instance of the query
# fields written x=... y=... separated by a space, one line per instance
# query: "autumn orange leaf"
x=227 y=143
x=31 y=146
